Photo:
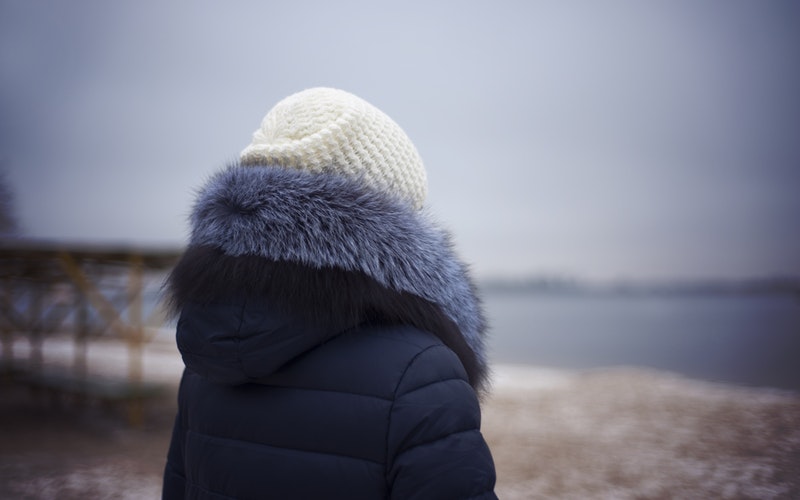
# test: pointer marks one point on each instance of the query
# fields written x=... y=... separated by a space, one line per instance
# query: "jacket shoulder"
x=435 y=420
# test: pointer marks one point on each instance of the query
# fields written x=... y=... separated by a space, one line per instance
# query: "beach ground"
x=613 y=433
x=630 y=433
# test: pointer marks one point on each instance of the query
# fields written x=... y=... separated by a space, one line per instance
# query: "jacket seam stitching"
x=462 y=431
x=391 y=408
x=237 y=337
x=266 y=445
x=423 y=386
x=316 y=389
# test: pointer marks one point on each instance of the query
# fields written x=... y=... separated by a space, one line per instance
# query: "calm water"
x=750 y=340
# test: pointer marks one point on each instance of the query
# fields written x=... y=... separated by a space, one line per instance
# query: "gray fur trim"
x=324 y=220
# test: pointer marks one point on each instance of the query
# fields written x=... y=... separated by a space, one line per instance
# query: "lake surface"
x=743 y=339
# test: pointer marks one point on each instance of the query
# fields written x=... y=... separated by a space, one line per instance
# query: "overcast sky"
x=599 y=140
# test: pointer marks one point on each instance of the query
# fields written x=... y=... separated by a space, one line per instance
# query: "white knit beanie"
x=330 y=130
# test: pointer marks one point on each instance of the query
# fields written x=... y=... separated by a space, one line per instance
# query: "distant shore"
x=782 y=285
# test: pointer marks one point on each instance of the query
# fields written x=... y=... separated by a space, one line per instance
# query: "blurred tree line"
x=8 y=221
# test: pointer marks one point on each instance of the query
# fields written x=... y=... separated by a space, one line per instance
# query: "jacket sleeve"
x=435 y=446
x=174 y=483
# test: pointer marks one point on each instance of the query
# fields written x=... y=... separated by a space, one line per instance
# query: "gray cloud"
x=628 y=139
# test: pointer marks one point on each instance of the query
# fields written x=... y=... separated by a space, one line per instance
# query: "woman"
x=333 y=343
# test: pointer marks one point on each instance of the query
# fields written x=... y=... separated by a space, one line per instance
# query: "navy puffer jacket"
x=333 y=348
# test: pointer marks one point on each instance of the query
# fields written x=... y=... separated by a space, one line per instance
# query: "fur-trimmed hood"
x=332 y=252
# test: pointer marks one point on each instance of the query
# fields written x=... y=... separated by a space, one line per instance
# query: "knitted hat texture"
x=333 y=131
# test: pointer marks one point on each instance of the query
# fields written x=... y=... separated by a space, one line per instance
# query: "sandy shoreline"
x=611 y=433
x=635 y=433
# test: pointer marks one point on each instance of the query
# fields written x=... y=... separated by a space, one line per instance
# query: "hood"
x=324 y=253
x=241 y=341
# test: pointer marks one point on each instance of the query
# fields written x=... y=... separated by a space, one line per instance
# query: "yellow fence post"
x=40 y=268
